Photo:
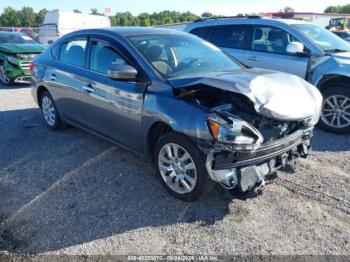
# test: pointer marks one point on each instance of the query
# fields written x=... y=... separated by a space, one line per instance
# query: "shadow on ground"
x=59 y=189
x=323 y=141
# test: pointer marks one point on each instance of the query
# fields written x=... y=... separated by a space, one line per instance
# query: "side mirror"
x=295 y=48
x=122 y=72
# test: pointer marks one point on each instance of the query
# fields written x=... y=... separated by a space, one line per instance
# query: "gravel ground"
x=69 y=192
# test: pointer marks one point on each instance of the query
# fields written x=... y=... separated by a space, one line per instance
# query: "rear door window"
x=231 y=36
x=202 y=32
x=73 y=52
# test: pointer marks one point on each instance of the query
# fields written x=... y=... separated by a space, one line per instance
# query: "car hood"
x=342 y=58
x=21 y=48
x=274 y=94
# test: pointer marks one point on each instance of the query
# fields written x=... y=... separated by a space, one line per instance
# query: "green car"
x=17 y=51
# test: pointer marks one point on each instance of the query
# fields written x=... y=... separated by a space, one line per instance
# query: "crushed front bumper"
x=18 y=73
x=246 y=170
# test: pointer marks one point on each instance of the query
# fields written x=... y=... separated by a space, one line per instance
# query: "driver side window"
x=103 y=56
x=271 y=39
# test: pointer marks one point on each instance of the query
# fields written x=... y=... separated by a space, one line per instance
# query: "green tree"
x=27 y=16
x=39 y=19
x=9 y=17
x=207 y=14
x=288 y=9
x=94 y=11
x=342 y=9
x=77 y=11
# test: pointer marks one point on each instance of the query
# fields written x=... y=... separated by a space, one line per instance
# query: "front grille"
x=25 y=65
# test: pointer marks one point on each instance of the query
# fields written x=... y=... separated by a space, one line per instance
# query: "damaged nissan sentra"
x=180 y=102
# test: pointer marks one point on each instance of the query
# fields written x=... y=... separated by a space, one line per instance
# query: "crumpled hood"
x=342 y=58
x=21 y=48
x=274 y=94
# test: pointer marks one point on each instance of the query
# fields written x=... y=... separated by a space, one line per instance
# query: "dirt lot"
x=72 y=193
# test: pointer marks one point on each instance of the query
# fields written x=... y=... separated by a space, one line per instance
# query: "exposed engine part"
x=228 y=104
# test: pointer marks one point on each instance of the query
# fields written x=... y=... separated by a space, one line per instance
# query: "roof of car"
x=134 y=30
x=10 y=33
x=237 y=20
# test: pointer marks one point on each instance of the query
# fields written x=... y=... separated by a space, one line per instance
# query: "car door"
x=234 y=39
x=112 y=108
x=66 y=77
x=268 y=50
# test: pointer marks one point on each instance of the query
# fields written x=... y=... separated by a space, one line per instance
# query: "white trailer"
x=58 y=23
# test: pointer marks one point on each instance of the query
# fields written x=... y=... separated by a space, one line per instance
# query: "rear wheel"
x=181 y=167
x=335 y=114
x=49 y=111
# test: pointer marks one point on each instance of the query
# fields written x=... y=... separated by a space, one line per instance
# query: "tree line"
x=342 y=9
x=27 y=17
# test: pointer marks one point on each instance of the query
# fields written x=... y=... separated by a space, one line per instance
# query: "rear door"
x=268 y=50
x=234 y=39
x=112 y=108
x=67 y=76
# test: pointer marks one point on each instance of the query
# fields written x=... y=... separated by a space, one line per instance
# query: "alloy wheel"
x=177 y=168
x=48 y=110
x=3 y=77
x=336 y=111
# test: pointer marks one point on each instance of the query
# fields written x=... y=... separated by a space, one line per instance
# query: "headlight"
x=235 y=132
x=12 y=59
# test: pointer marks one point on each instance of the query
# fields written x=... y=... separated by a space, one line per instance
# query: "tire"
x=49 y=111
x=4 y=79
x=197 y=179
x=336 y=105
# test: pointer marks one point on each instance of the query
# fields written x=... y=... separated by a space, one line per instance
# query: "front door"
x=112 y=108
x=268 y=50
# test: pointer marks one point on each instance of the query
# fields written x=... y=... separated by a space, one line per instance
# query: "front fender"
x=183 y=117
x=329 y=69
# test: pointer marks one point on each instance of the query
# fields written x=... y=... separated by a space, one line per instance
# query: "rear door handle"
x=53 y=77
x=253 y=58
x=88 y=88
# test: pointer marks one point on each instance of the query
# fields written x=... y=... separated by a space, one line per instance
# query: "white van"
x=58 y=23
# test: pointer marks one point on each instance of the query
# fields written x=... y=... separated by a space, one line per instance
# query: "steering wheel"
x=187 y=62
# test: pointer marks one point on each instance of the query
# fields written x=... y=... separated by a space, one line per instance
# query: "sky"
x=217 y=7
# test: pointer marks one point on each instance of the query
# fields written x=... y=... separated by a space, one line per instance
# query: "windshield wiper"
x=336 y=50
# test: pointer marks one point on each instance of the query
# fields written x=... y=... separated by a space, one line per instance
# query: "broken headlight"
x=235 y=132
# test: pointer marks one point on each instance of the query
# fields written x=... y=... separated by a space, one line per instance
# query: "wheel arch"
x=328 y=79
x=156 y=130
x=41 y=89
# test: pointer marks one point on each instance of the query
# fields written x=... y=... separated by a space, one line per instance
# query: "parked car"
x=344 y=35
x=58 y=23
x=17 y=51
x=293 y=46
x=180 y=102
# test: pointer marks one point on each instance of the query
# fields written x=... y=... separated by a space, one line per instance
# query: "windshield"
x=15 y=38
x=324 y=39
x=178 y=55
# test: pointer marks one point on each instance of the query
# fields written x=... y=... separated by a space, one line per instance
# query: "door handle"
x=253 y=58
x=53 y=77
x=88 y=88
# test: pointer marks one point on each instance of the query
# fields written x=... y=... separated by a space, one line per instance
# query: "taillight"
x=31 y=66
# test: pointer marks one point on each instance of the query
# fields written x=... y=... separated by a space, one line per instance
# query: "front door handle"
x=88 y=88
x=253 y=58
x=53 y=77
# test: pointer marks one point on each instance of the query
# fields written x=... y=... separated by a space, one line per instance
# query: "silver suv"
x=292 y=46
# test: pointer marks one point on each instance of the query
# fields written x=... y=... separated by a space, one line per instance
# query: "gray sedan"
x=177 y=100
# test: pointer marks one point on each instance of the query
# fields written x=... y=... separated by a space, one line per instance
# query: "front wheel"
x=335 y=114
x=181 y=167
x=4 y=78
